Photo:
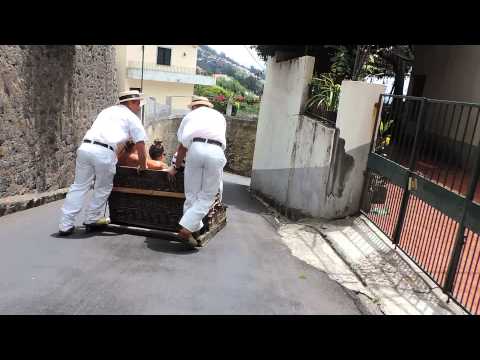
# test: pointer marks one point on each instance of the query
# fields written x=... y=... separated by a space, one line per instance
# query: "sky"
x=241 y=54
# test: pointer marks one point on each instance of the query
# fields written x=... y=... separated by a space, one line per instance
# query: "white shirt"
x=116 y=125
x=203 y=122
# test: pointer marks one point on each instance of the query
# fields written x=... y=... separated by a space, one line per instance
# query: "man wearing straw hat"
x=202 y=133
x=97 y=159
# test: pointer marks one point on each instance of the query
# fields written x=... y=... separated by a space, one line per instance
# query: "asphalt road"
x=244 y=269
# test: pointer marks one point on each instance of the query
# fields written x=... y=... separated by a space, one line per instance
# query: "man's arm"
x=181 y=153
x=142 y=154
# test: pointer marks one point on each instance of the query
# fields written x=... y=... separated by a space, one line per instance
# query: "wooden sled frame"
x=161 y=189
x=166 y=235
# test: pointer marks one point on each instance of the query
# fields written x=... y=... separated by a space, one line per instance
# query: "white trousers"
x=203 y=179
x=93 y=162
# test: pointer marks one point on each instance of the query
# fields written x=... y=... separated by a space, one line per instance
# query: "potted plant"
x=325 y=93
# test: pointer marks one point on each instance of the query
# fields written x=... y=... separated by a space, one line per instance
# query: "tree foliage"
x=356 y=62
x=214 y=63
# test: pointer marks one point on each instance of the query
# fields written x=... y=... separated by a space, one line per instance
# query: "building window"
x=164 y=56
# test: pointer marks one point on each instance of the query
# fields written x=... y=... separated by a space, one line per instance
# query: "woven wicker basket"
x=152 y=200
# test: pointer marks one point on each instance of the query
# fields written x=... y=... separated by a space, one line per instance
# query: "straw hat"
x=131 y=95
x=200 y=100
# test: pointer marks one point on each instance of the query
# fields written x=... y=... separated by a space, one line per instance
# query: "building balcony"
x=175 y=74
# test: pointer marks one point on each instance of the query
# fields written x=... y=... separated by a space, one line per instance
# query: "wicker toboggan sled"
x=151 y=203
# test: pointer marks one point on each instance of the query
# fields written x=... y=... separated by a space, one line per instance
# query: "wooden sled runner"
x=151 y=204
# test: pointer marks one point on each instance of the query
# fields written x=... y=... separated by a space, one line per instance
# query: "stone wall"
x=241 y=134
x=49 y=97
x=166 y=131
x=240 y=141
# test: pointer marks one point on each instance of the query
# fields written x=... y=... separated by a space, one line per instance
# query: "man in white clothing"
x=97 y=159
x=202 y=133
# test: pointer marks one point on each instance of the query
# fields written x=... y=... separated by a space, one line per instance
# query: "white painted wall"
x=285 y=91
x=302 y=164
x=284 y=94
x=356 y=113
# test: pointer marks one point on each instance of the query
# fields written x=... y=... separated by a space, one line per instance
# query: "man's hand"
x=140 y=168
x=142 y=156
x=171 y=171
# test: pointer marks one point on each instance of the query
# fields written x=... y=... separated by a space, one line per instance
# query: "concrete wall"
x=301 y=165
x=166 y=131
x=452 y=71
x=49 y=97
x=240 y=141
x=285 y=91
x=355 y=124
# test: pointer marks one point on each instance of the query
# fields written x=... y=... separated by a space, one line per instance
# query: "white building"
x=169 y=72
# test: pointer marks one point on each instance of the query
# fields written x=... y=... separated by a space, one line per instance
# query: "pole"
x=141 y=82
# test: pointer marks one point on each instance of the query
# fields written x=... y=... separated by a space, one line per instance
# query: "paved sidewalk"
x=359 y=258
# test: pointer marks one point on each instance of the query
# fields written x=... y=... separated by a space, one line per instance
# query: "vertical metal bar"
x=462 y=146
x=471 y=147
x=417 y=207
x=432 y=136
x=420 y=233
x=447 y=137
x=397 y=130
x=435 y=147
x=398 y=197
x=460 y=272
x=408 y=110
x=442 y=149
x=406 y=194
x=450 y=240
x=477 y=289
x=434 y=141
x=427 y=243
x=444 y=236
x=459 y=242
x=425 y=139
x=431 y=253
x=452 y=152
x=396 y=206
x=409 y=224
x=467 y=251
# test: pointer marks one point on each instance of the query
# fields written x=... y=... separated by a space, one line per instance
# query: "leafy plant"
x=384 y=139
x=326 y=93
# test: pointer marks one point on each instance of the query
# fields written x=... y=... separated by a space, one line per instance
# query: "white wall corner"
x=356 y=112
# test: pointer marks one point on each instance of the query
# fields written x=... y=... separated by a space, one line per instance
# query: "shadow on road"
x=81 y=234
x=168 y=246
x=238 y=196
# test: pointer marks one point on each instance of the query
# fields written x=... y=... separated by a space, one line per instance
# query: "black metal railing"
x=422 y=189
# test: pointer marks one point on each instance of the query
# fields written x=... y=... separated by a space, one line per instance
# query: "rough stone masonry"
x=49 y=97
x=241 y=134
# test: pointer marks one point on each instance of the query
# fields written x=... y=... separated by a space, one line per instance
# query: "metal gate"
x=422 y=189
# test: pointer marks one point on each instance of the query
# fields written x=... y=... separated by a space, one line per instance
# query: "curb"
x=364 y=302
x=13 y=204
